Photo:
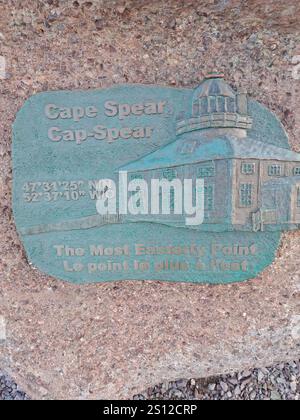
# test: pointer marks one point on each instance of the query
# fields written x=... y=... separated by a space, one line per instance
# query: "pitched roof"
x=196 y=147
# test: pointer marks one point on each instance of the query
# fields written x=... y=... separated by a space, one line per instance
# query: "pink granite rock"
x=114 y=340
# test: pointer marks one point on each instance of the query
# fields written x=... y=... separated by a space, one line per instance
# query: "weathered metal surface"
x=64 y=142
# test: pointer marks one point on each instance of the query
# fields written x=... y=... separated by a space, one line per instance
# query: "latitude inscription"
x=208 y=173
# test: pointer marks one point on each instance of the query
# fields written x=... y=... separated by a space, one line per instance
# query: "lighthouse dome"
x=214 y=95
x=213 y=85
x=216 y=105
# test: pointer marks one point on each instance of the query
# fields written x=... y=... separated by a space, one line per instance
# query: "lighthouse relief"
x=205 y=168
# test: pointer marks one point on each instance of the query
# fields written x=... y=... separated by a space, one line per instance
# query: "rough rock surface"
x=112 y=340
x=280 y=382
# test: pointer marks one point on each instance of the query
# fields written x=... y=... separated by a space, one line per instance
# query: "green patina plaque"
x=152 y=183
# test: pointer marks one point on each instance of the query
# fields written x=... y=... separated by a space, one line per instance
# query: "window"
x=169 y=174
x=221 y=104
x=213 y=104
x=196 y=108
x=275 y=170
x=246 y=191
x=248 y=168
x=208 y=197
x=297 y=170
x=298 y=197
x=136 y=176
x=172 y=198
x=132 y=193
x=204 y=106
x=205 y=171
x=230 y=103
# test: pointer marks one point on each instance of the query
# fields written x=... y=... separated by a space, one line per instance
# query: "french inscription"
x=111 y=257
x=145 y=182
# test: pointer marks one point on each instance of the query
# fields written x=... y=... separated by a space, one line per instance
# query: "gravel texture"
x=9 y=390
x=280 y=382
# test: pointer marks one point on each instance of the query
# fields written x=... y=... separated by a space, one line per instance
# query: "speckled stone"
x=114 y=340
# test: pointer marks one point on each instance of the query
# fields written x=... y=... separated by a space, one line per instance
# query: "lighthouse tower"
x=216 y=105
